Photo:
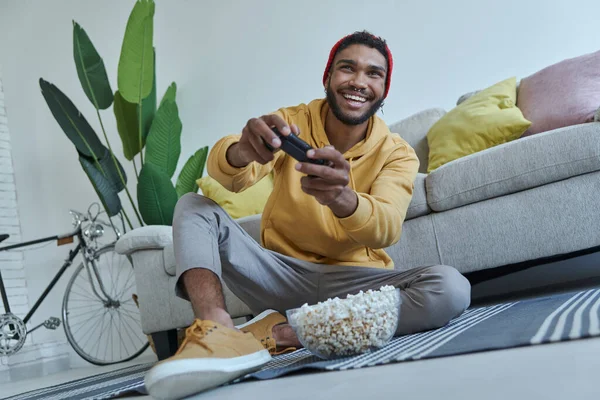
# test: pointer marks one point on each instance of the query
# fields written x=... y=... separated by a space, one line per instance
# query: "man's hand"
x=251 y=146
x=328 y=184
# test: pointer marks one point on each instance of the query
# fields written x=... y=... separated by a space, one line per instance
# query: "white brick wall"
x=11 y=262
x=34 y=358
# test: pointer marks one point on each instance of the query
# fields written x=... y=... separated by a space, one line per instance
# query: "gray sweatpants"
x=205 y=236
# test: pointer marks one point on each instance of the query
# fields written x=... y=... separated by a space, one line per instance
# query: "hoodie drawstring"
x=353 y=187
x=352 y=184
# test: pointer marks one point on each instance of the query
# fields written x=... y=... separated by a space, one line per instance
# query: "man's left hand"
x=328 y=184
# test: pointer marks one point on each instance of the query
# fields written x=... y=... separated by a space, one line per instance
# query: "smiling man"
x=324 y=228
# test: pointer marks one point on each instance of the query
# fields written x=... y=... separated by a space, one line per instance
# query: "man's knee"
x=456 y=287
x=440 y=294
x=192 y=203
x=454 y=293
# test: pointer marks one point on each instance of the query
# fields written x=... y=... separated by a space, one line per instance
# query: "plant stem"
x=113 y=225
x=127 y=218
x=120 y=174
x=135 y=168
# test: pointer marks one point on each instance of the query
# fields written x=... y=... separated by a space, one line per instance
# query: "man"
x=323 y=232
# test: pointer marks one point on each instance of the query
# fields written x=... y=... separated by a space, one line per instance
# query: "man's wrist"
x=345 y=204
x=232 y=156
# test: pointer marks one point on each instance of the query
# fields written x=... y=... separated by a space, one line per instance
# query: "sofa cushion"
x=414 y=130
x=418 y=204
x=563 y=94
x=515 y=166
x=487 y=119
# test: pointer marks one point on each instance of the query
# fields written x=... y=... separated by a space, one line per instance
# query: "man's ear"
x=327 y=81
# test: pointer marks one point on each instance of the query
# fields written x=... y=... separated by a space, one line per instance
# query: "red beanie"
x=390 y=61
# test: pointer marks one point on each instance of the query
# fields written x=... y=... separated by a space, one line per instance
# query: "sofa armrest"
x=414 y=130
x=152 y=237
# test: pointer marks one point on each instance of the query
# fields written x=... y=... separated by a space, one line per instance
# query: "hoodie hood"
x=377 y=130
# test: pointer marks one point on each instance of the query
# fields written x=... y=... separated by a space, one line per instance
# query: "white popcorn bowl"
x=349 y=328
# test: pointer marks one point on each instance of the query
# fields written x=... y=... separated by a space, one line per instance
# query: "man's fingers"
x=260 y=149
x=328 y=153
x=295 y=129
x=277 y=122
x=259 y=128
x=323 y=197
x=316 y=183
x=331 y=175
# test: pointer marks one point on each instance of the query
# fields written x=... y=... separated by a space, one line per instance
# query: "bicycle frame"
x=64 y=239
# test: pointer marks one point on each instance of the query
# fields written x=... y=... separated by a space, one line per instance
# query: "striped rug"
x=523 y=323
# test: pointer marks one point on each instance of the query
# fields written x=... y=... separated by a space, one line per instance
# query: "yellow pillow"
x=249 y=202
x=484 y=120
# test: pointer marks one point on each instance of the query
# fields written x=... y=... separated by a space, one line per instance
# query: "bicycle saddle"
x=3 y=237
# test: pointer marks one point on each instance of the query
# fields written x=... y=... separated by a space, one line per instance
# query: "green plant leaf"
x=136 y=65
x=170 y=94
x=148 y=108
x=91 y=70
x=103 y=187
x=110 y=171
x=72 y=122
x=126 y=114
x=163 y=146
x=191 y=172
x=156 y=196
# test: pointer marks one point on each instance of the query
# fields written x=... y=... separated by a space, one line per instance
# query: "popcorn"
x=350 y=326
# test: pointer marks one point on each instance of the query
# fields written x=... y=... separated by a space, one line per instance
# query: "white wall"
x=235 y=59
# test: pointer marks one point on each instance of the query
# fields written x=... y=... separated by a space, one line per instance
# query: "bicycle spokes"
x=101 y=319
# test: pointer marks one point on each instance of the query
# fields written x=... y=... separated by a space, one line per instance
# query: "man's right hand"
x=251 y=146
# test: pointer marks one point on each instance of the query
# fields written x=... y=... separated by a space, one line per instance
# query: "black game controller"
x=296 y=148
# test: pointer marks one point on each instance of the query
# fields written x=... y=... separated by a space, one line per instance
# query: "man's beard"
x=346 y=119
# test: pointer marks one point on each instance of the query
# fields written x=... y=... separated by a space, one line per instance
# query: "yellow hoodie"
x=383 y=170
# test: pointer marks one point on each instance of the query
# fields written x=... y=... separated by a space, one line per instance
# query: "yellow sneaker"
x=210 y=355
x=261 y=327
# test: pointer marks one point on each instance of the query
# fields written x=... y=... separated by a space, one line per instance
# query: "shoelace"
x=195 y=333
x=271 y=345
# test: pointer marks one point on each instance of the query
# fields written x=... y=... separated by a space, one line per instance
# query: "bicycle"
x=92 y=286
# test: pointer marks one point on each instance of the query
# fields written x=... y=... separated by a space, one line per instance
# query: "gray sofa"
x=516 y=204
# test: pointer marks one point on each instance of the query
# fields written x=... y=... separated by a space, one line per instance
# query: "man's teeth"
x=356 y=98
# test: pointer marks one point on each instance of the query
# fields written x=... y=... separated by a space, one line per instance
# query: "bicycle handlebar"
x=81 y=217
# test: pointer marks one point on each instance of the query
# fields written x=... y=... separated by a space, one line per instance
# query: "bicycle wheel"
x=103 y=331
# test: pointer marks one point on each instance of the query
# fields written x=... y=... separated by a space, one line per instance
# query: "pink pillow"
x=563 y=94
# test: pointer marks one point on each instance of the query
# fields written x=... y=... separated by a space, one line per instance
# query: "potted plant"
x=148 y=132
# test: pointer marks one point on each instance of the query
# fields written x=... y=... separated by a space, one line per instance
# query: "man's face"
x=356 y=84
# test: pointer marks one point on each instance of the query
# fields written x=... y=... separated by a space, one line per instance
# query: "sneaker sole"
x=260 y=316
x=181 y=378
